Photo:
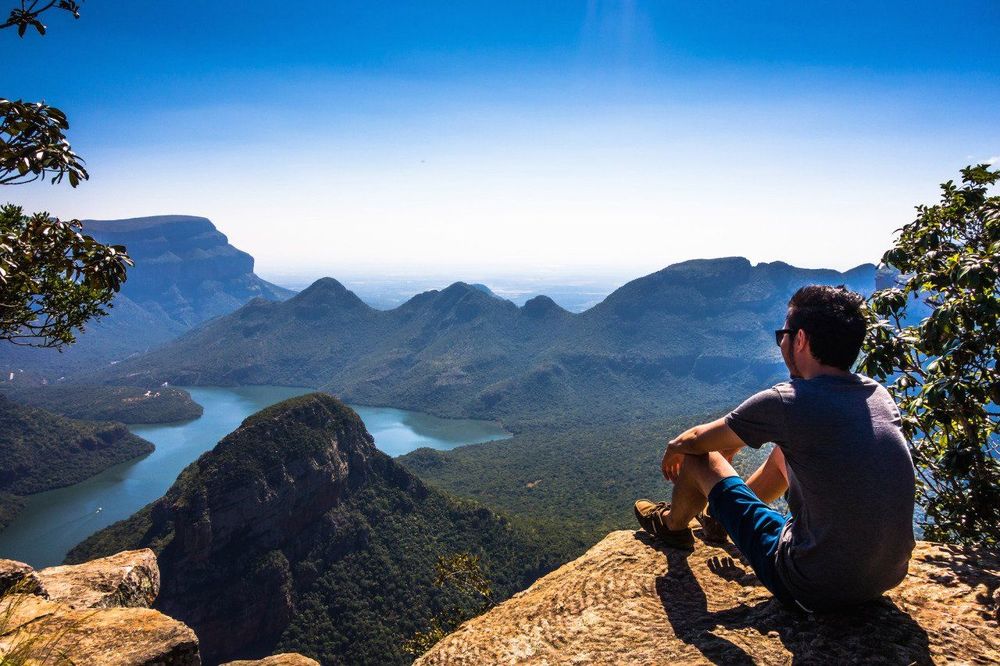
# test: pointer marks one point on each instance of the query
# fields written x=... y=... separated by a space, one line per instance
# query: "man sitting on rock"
x=840 y=454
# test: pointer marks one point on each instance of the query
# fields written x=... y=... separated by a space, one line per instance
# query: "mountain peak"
x=129 y=224
x=325 y=291
x=541 y=306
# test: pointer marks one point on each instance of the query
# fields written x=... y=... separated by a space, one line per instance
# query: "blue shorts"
x=755 y=528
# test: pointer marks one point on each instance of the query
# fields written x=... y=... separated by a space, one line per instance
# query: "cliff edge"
x=627 y=600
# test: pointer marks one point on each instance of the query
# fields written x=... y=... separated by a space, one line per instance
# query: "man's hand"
x=671 y=464
x=699 y=440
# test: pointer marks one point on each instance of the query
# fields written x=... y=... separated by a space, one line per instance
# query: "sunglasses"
x=780 y=333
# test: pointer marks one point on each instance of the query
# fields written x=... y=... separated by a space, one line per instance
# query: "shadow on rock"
x=877 y=632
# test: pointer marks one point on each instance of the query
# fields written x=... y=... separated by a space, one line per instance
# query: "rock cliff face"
x=220 y=527
x=627 y=601
x=184 y=267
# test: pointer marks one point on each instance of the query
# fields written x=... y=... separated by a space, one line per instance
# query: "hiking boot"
x=652 y=517
x=711 y=529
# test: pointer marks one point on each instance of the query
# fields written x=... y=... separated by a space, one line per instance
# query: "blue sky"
x=432 y=137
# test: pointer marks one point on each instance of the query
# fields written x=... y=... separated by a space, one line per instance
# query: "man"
x=840 y=454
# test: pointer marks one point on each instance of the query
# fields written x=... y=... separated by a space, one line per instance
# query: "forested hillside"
x=41 y=451
x=687 y=338
x=127 y=404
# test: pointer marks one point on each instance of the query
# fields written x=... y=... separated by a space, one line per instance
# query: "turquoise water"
x=53 y=522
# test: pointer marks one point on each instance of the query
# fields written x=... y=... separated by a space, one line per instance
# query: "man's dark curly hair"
x=833 y=320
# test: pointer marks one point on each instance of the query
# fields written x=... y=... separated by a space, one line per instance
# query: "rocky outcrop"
x=110 y=637
x=628 y=601
x=129 y=579
x=284 y=659
x=98 y=612
x=94 y=613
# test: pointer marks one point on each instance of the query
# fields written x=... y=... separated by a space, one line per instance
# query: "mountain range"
x=689 y=336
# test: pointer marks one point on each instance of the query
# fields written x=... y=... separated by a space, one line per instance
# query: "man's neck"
x=820 y=370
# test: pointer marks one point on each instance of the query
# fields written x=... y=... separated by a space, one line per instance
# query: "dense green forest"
x=127 y=404
x=298 y=505
x=41 y=451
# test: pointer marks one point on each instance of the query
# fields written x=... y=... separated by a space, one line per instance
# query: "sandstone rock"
x=628 y=601
x=130 y=579
x=285 y=659
x=110 y=637
x=20 y=575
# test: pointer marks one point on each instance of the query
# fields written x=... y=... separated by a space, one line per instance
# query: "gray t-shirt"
x=851 y=485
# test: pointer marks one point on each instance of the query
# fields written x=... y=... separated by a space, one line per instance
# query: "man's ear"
x=801 y=340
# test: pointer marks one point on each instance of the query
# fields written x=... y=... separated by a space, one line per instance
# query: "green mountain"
x=296 y=534
x=127 y=404
x=186 y=272
x=41 y=451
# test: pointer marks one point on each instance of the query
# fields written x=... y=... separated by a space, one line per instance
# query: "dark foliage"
x=941 y=361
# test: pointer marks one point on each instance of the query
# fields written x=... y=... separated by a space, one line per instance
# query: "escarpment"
x=627 y=601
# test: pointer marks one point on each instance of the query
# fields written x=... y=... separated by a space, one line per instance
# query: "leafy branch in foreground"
x=53 y=278
x=463 y=573
x=33 y=145
x=942 y=370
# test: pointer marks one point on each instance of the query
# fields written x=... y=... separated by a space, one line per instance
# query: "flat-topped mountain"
x=296 y=531
x=185 y=273
x=462 y=351
x=184 y=267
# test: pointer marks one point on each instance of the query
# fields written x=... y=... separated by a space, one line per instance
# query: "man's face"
x=788 y=352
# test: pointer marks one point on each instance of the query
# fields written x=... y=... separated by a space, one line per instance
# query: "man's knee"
x=707 y=470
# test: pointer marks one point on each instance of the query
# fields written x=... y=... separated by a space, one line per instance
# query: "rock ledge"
x=628 y=601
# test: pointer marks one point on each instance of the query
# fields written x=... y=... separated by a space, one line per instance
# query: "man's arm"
x=699 y=440
x=702 y=439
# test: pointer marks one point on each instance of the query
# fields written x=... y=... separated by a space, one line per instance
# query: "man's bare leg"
x=699 y=474
x=697 y=477
x=770 y=480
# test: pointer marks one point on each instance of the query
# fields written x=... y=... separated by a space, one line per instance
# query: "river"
x=54 y=521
